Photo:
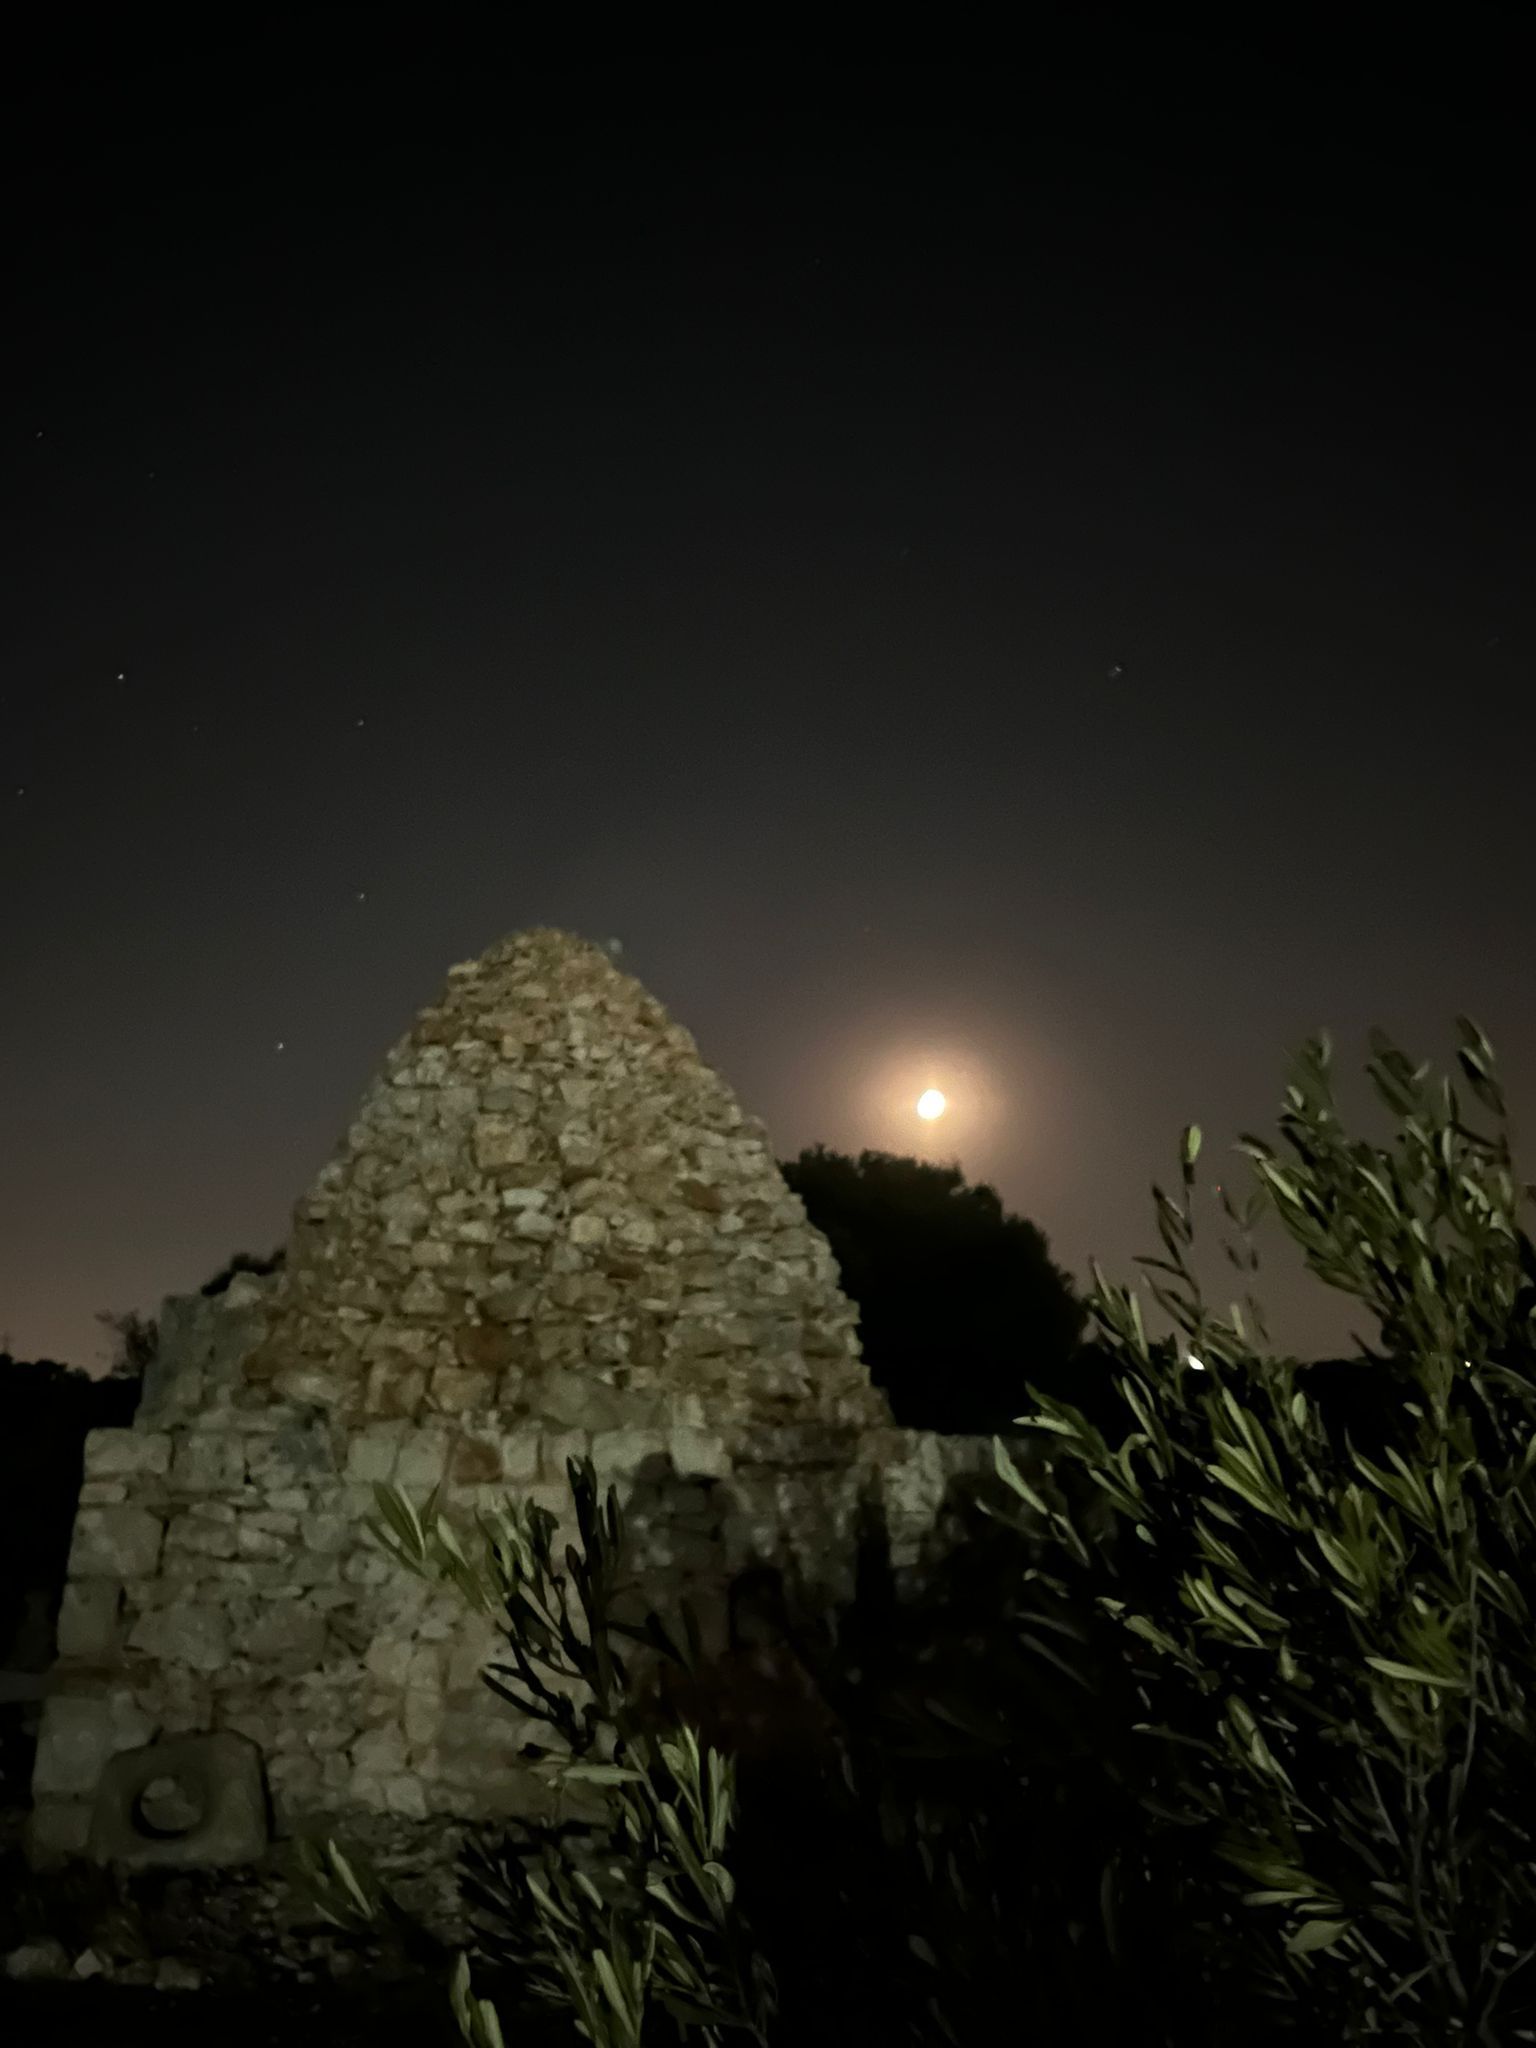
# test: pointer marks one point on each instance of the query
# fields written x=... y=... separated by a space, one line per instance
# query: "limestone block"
x=699 y=1336
x=74 y=1743
x=203 y=1534
x=579 y=1150
x=327 y=1536
x=202 y=1795
x=405 y=1795
x=395 y=1390
x=485 y=1347
x=96 y=1493
x=115 y=1543
x=248 y=1290
x=555 y=1448
x=568 y=1400
x=520 y=1457
x=37 y=1962
x=287 y=1638
x=475 y=1644
x=311 y=1386
x=634 y=1232
x=423 y=1461
x=296 y=1783
x=475 y=1459
x=797 y=1446
x=453 y=1390
x=288 y=1500
x=88 y=1618
x=559 y=1344
x=178 y=1701
x=271 y=1521
x=429 y=1662
x=698 y=1453
x=913 y=1486
x=389 y=1660
x=379 y=1752
x=499 y=1142
x=399 y=1343
x=368 y=1568
x=191 y=1633
x=619 y=1452
x=371 y=1454
x=422 y=1714
x=512 y=1303
x=207 y=1461
x=424 y=1298
x=110 y=1453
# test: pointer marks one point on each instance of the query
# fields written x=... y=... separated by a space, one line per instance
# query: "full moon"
x=931 y=1103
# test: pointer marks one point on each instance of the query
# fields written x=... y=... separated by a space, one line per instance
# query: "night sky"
x=1016 y=579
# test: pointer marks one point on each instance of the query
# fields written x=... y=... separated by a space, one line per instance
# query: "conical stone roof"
x=549 y=1208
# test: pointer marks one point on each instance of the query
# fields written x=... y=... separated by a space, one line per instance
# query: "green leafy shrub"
x=625 y=1917
x=1328 y=1648
x=931 y=1831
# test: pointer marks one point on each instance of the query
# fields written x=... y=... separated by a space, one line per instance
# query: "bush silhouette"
x=1320 y=1581
x=959 y=1304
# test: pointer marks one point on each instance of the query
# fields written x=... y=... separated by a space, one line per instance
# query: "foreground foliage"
x=630 y=1910
x=1331 y=1640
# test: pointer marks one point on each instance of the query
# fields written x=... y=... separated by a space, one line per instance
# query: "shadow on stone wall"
x=908 y=1765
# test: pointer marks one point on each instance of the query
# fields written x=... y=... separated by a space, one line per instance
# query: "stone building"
x=550 y=1230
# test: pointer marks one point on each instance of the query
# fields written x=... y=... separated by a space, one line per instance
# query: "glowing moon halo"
x=931 y=1103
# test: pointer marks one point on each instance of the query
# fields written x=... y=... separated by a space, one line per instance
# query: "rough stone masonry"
x=550 y=1230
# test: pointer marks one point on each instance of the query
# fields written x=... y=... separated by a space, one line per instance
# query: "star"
x=280 y=1044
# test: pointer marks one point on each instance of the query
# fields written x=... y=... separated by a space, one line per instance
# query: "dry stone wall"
x=550 y=1232
x=549 y=1208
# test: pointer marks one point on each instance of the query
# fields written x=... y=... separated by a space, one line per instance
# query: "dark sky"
x=1013 y=576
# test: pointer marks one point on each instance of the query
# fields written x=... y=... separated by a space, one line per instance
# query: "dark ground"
x=44 y=2015
x=270 y=1979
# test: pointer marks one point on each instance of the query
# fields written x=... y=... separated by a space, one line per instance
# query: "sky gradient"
x=1022 y=584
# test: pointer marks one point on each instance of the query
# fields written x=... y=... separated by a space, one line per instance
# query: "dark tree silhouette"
x=46 y=1412
x=959 y=1304
x=137 y=1336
